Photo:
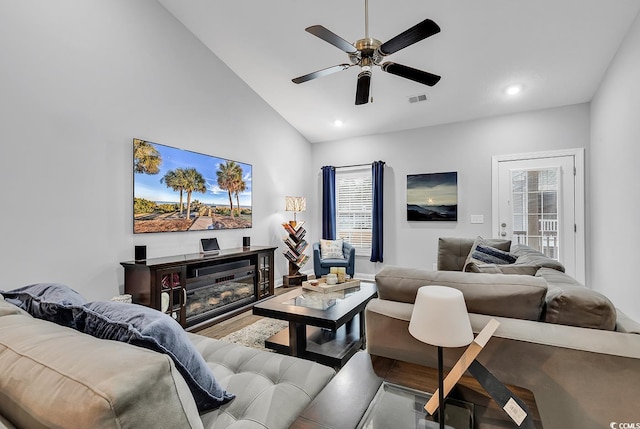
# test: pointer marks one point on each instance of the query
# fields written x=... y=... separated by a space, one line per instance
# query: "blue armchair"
x=321 y=267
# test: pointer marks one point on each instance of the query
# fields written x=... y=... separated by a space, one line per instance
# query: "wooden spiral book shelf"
x=296 y=245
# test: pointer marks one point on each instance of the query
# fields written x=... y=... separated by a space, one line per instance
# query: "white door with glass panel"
x=536 y=206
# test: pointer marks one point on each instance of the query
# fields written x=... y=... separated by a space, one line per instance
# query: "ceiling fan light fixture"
x=514 y=89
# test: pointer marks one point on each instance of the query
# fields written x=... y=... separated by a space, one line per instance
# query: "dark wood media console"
x=199 y=290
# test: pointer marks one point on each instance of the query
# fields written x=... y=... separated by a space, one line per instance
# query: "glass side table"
x=400 y=407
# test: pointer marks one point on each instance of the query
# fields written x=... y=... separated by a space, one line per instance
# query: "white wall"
x=78 y=81
x=465 y=147
x=615 y=179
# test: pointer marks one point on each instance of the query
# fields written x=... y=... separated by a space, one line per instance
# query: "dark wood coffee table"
x=345 y=400
x=325 y=327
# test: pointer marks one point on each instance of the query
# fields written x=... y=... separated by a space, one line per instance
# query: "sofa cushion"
x=55 y=377
x=529 y=256
x=48 y=301
x=568 y=302
x=149 y=328
x=331 y=249
x=454 y=251
x=271 y=389
x=525 y=270
x=520 y=297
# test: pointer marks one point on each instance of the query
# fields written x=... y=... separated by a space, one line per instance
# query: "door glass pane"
x=535 y=196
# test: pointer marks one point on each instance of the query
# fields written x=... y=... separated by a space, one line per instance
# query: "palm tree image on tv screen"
x=180 y=190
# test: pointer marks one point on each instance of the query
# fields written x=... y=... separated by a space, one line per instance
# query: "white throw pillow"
x=331 y=249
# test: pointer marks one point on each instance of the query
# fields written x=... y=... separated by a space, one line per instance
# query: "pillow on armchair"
x=331 y=249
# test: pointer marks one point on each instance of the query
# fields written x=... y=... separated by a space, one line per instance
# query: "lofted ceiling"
x=558 y=50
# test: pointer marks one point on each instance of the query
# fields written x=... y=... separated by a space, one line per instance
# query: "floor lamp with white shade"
x=440 y=318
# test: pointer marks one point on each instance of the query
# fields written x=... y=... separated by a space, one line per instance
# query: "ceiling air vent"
x=418 y=98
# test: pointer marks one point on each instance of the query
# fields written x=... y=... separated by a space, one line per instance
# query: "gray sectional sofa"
x=53 y=376
x=569 y=345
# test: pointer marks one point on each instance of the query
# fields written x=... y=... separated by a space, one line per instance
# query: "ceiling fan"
x=369 y=52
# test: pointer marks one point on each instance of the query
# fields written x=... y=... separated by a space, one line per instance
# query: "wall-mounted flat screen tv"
x=180 y=190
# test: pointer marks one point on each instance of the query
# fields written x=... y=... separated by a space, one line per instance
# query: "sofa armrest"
x=53 y=376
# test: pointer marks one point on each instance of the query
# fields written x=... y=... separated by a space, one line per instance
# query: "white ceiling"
x=558 y=49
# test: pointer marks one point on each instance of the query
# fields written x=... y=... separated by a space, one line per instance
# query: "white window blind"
x=353 y=209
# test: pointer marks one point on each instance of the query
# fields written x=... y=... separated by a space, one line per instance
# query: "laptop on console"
x=209 y=246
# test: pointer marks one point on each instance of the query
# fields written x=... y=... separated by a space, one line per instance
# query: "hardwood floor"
x=235 y=323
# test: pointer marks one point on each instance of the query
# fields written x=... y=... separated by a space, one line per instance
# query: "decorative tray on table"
x=320 y=285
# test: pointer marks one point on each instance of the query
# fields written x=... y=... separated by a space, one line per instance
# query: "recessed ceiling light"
x=338 y=123
x=513 y=89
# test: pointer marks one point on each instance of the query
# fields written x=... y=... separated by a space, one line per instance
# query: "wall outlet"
x=477 y=219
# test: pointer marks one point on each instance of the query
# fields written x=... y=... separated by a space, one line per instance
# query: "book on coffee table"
x=320 y=285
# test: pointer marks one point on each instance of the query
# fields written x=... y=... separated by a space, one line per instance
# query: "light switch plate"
x=477 y=219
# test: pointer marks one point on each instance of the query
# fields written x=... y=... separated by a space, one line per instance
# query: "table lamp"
x=440 y=318
x=295 y=205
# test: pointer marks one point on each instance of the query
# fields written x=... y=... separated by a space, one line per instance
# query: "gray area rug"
x=254 y=335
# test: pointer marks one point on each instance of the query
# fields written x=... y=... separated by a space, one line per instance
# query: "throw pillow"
x=52 y=302
x=491 y=255
x=331 y=249
x=151 y=329
x=484 y=252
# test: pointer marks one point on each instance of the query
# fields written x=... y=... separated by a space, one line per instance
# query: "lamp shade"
x=440 y=317
x=295 y=204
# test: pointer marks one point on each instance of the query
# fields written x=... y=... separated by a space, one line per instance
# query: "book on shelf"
x=289 y=244
x=287 y=227
x=290 y=256
x=301 y=247
x=300 y=233
x=301 y=260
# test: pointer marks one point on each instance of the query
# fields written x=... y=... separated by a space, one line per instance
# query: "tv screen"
x=179 y=190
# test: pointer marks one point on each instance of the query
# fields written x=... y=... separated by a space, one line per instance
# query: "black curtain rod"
x=353 y=165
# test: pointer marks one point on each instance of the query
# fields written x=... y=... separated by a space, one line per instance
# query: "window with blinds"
x=354 y=202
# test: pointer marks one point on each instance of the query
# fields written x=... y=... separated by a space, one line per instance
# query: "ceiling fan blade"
x=321 y=73
x=410 y=73
x=364 y=85
x=330 y=37
x=415 y=34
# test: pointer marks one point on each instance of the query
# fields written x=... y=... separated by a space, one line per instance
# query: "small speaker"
x=246 y=241
x=140 y=253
